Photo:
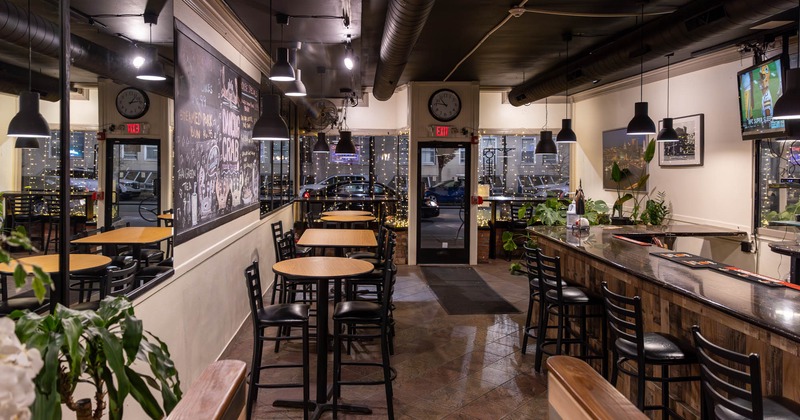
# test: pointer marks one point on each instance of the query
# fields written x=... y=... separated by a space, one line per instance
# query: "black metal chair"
x=279 y=315
x=25 y=301
x=114 y=282
x=532 y=271
x=631 y=343
x=53 y=218
x=562 y=301
x=726 y=375
x=357 y=320
x=283 y=251
x=20 y=213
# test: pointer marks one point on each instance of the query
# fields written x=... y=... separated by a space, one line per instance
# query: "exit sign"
x=441 y=130
x=135 y=128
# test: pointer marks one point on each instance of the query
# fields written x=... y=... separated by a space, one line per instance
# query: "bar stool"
x=532 y=269
x=718 y=369
x=631 y=343
x=280 y=316
x=359 y=318
x=559 y=300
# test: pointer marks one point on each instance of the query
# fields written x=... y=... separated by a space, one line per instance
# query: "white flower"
x=18 y=367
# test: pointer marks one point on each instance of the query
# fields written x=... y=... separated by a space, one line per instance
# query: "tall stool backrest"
x=549 y=274
x=719 y=375
x=624 y=315
x=120 y=281
x=286 y=249
x=532 y=267
x=254 y=292
x=277 y=234
x=389 y=273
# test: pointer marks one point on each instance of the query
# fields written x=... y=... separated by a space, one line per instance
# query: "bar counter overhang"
x=741 y=315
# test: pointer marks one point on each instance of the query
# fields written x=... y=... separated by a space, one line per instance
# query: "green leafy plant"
x=626 y=183
x=98 y=348
x=18 y=238
x=596 y=211
x=655 y=210
x=789 y=213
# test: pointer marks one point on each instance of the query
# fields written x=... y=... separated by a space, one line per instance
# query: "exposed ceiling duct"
x=14 y=80
x=45 y=39
x=687 y=26
x=404 y=22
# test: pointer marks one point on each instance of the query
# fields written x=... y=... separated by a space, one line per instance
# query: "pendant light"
x=296 y=88
x=667 y=134
x=270 y=125
x=345 y=147
x=321 y=146
x=151 y=69
x=282 y=70
x=29 y=124
x=546 y=145
x=641 y=124
x=566 y=135
x=349 y=63
x=787 y=107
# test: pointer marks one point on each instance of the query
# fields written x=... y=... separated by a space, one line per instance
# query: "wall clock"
x=132 y=103
x=444 y=105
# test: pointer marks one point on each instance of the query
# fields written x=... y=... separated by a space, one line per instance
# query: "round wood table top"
x=49 y=263
x=348 y=219
x=165 y=216
x=346 y=213
x=322 y=267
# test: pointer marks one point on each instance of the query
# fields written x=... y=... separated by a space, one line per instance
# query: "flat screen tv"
x=759 y=87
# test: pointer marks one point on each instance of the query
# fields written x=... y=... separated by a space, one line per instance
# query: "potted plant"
x=625 y=183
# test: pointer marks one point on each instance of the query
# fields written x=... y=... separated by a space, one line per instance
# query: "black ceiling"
x=518 y=50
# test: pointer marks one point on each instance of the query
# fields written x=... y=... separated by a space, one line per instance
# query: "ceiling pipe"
x=404 y=22
x=686 y=27
x=45 y=39
x=14 y=80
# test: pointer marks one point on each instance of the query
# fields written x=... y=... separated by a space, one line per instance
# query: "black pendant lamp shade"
x=321 y=146
x=297 y=87
x=546 y=145
x=282 y=71
x=345 y=145
x=152 y=69
x=787 y=107
x=667 y=133
x=270 y=125
x=28 y=124
x=566 y=135
x=641 y=122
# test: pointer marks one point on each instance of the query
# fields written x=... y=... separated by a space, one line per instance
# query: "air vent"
x=705 y=18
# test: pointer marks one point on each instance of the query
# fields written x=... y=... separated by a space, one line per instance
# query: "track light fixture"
x=29 y=124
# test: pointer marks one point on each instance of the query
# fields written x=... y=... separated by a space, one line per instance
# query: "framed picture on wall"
x=627 y=151
x=688 y=151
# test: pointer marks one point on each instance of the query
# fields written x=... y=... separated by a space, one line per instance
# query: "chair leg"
x=306 y=369
x=640 y=373
x=337 y=366
x=665 y=392
x=614 y=368
x=255 y=371
x=563 y=311
x=387 y=371
x=527 y=325
x=584 y=345
x=604 y=344
x=541 y=333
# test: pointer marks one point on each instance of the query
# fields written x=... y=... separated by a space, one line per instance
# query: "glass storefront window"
x=40 y=166
x=778 y=181
x=275 y=168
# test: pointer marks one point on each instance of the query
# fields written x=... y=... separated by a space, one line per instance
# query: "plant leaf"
x=650 y=151
x=73 y=329
x=19 y=276
x=131 y=336
x=616 y=174
x=112 y=349
x=142 y=394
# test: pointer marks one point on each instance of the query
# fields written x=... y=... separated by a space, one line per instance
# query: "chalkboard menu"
x=216 y=161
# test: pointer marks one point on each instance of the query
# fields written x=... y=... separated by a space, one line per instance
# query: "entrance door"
x=132 y=181
x=443 y=212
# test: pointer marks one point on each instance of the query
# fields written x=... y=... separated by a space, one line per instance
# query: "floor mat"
x=461 y=291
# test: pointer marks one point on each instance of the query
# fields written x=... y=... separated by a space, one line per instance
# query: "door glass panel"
x=134 y=183
x=442 y=207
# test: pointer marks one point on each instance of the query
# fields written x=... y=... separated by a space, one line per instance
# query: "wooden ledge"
x=218 y=394
x=576 y=391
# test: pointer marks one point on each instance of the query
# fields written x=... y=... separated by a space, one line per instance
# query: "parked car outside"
x=128 y=187
x=361 y=189
x=549 y=186
x=81 y=180
x=447 y=192
x=327 y=182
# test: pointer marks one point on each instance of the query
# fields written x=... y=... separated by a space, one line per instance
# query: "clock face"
x=444 y=105
x=132 y=103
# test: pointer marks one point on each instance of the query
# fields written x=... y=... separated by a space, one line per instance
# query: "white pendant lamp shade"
x=28 y=123
x=270 y=126
x=321 y=146
x=641 y=124
x=282 y=71
x=546 y=145
x=297 y=87
x=345 y=146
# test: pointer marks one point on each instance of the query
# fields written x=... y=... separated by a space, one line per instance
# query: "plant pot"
x=621 y=221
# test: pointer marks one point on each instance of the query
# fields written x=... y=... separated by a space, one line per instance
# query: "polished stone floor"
x=448 y=366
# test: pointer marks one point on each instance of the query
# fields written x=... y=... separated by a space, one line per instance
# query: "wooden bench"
x=575 y=391
x=219 y=394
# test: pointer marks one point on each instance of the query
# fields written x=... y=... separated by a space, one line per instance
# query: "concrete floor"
x=448 y=366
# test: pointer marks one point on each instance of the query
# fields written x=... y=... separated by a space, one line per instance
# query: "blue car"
x=447 y=192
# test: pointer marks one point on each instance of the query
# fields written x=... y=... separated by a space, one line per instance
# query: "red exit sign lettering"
x=441 y=130
x=133 y=128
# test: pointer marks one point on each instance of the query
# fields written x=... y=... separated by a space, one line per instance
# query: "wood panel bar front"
x=737 y=314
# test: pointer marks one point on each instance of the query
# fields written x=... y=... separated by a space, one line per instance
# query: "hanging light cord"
x=668 y=56
x=30 y=72
x=269 y=53
x=544 y=127
x=566 y=90
x=641 y=57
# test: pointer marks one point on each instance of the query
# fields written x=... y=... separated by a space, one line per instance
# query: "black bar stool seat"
x=570 y=295
x=283 y=313
x=658 y=348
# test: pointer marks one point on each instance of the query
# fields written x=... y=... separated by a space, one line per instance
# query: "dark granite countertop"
x=776 y=309
x=673 y=230
x=791 y=248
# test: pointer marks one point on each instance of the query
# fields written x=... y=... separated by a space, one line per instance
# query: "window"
x=778 y=182
x=428 y=157
x=528 y=150
x=130 y=151
x=150 y=152
x=462 y=154
x=40 y=166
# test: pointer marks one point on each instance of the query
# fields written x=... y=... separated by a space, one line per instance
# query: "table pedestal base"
x=317 y=409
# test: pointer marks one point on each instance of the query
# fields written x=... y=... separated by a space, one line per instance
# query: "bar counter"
x=734 y=313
